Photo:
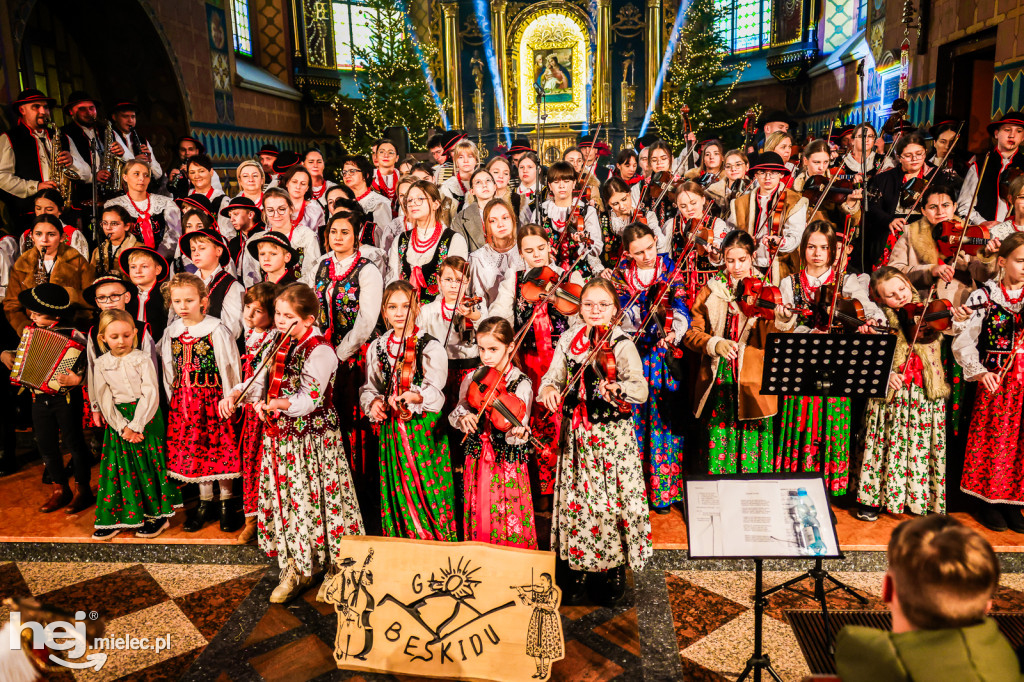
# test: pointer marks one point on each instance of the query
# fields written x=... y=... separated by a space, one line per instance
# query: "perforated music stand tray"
x=836 y=365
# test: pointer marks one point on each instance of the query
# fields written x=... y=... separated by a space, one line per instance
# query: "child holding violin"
x=987 y=346
x=571 y=221
x=498 y=507
x=731 y=319
x=600 y=520
x=810 y=296
x=698 y=235
x=307 y=502
x=904 y=460
x=523 y=301
x=660 y=180
x=406 y=370
x=841 y=205
x=622 y=212
x=895 y=193
x=657 y=317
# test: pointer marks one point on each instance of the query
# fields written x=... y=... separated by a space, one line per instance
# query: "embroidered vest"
x=988 y=190
x=566 y=251
x=431 y=268
x=521 y=311
x=997 y=335
x=339 y=309
x=385 y=364
x=599 y=411
x=217 y=291
x=195 y=365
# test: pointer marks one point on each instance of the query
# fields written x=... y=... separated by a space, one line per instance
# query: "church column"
x=654 y=49
x=602 y=63
x=498 y=8
x=451 y=54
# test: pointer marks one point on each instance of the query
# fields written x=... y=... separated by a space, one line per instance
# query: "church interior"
x=240 y=76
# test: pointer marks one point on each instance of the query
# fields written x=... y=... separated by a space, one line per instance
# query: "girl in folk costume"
x=530 y=188
x=987 y=347
x=209 y=252
x=134 y=491
x=306 y=213
x=658 y=421
x=627 y=167
x=276 y=257
x=340 y=198
x=201 y=175
x=537 y=348
x=869 y=165
x=727 y=391
x=904 y=461
x=469 y=221
x=731 y=182
x=755 y=213
x=307 y=502
x=810 y=421
x=259 y=336
x=357 y=174
x=277 y=214
x=569 y=240
x=116 y=224
x=500 y=169
x=710 y=168
x=147 y=270
x=200 y=366
x=406 y=370
x=416 y=255
x=385 y=175
x=600 y=519
x=617 y=197
x=157 y=218
x=313 y=162
x=574 y=157
x=659 y=158
x=349 y=289
x=498 y=260
x=695 y=215
x=50 y=202
x=458 y=188
x=887 y=216
x=841 y=214
x=498 y=505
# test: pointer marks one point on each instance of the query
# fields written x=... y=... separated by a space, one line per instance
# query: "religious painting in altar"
x=554 y=74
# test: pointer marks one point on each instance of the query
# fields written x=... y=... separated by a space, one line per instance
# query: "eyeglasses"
x=590 y=305
x=735 y=166
x=386 y=154
x=912 y=157
x=277 y=211
x=113 y=298
x=351 y=171
x=415 y=202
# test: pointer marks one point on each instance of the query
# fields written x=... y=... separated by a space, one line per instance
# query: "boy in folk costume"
x=458 y=188
x=147 y=270
x=116 y=224
x=246 y=219
x=275 y=255
x=209 y=252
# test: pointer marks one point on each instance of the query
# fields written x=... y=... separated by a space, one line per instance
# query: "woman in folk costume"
x=251 y=178
x=357 y=174
x=659 y=158
x=659 y=420
x=694 y=220
x=904 y=461
x=385 y=174
x=469 y=221
x=600 y=521
x=541 y=337
x=498 y=506
x=710 y=168
x=841 y=214
x=814 y=433
x=416 y=255
x=987 y=346
x=406 y=371
x=278 y=216
x=307 y=502
x=731 y=182
x=888 y=215
x=498 y=259
x=306 y=213
x=157 y=218
x=313 y=161
x=755 y=213
x=50 y=202
x=727 y=390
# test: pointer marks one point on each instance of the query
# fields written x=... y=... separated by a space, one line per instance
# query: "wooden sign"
x=464 y=610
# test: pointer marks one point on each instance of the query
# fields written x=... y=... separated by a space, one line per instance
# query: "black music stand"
x=832 y=365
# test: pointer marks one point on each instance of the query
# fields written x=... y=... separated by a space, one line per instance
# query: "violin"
x=836 y=190
x=604 y=361
x=664 y=314
x=756 y=298
x=936 y=316
x=1006 y=177
x=700 y=232
x=538 y=284
x=402 y=374
x=662 y=183
x=952 y=236
x=848 y=312
x=488 y=392
x=912 y=189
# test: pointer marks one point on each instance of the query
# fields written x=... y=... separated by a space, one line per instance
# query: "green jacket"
x=978 y=653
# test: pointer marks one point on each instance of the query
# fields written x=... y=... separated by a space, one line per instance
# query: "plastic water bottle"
x=809 y=529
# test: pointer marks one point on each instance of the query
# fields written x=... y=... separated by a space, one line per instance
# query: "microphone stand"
x=95 y=150
x=541 y=103
x=863 y=163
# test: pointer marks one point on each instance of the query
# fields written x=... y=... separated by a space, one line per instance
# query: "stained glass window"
x=351 y=28
x=243 y=27
x=746 y=24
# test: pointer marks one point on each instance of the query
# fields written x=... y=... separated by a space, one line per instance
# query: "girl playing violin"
x=659 y=158
x=498 y=507
x=732 y=180
x=406 y=370
x=694 y=221
x=572 y=235
x=987 y=347
x=727 y=390
x=815 y=176
x=547 y=320
x=904 y=461
x=895 y=192
x=600 y=519
x=621 y=209
x=808 y=420
x=307 y=502
x=648 y=282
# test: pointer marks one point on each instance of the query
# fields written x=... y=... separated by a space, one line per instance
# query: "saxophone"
x=111 y=163
x=60 y=175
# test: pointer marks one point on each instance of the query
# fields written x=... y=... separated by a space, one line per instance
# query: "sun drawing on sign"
x=457 y=582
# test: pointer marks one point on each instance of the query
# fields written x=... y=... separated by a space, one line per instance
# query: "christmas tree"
x=699 y=78
x=392 y=86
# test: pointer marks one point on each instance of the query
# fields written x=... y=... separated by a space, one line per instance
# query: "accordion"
x=43 y=354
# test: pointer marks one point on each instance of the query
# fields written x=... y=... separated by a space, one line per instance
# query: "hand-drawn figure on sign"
x=544 y=636
x=348 y=590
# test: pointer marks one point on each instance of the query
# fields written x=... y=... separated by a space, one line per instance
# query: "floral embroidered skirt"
x=416 y=489
x=306 y=499
x=905 y=453
x=250 y=448
x=805 y=421
x=600 y=516
x=994 y=463
x=736 y=446
x=498 y=507
x=544 y=426
x=200 y=445
x=659 y=433
x=133 y=477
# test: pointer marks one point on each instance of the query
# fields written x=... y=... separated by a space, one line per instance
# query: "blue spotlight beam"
x=427 y=73
x=483 y=17
x=665 y=61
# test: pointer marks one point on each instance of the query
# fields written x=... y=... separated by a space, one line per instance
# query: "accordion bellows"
x=43 y=355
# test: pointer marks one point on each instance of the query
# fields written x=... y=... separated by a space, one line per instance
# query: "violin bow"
x=278 y=344
x=828 y=187
x=899 y=111
x=675 y=174
x=458 y=298
x=577 y=199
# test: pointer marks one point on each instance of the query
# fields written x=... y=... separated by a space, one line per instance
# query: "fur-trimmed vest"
x=934 y=373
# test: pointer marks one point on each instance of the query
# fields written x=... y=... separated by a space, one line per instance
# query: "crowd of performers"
x=445 y=350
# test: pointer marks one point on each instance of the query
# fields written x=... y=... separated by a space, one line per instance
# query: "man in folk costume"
x=124 y=118
x=445 y=163
x=177 y=178
x=246 y=219
x=266 y=156
x=282 y=162
x=519 y=146
x=754 y=213
x=999 y=166
x=85 y=141
x=25 y=155
x=593 y=151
